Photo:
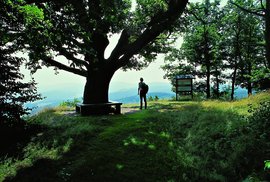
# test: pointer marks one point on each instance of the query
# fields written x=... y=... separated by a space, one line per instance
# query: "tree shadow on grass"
x=91 y=157
x=167 y=146
x=41 y=170
x=42 y=157
x=218 y=141
x=14 y=138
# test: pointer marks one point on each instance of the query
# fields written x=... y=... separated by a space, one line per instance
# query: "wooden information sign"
x=183 y=85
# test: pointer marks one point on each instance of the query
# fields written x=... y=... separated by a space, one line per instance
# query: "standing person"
x=142 y=91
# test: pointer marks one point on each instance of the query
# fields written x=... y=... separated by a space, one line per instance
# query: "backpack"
x=145 y=88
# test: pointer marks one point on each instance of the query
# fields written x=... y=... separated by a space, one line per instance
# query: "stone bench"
x=99 y=109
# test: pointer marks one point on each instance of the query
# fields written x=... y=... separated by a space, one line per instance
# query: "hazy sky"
x=47 y=80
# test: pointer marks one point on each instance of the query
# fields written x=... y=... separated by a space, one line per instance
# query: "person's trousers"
x=143 y=98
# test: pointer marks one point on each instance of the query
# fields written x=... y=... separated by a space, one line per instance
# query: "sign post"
x=184 y=85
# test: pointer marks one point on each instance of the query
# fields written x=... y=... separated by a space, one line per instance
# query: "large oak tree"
x=79 y=31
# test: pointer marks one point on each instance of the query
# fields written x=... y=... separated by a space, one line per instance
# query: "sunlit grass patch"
x=7 y=168
x=239 y=106
x=134 y=141
x=32 y=153
x=170 y=141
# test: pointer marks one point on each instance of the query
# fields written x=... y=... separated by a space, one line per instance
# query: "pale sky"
x=46 y=78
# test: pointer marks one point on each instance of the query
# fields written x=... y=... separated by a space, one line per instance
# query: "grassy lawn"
x=171 y=141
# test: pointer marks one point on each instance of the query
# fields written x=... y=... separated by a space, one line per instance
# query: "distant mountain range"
x=119 y=92
x=136 y=99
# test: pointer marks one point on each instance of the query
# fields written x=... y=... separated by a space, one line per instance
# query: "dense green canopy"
x=80 y=31
x=222 y=44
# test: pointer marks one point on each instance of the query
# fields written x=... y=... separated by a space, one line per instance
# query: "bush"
x=70 y=103
x=150 y=98
x=260 y=118
x=258 y=126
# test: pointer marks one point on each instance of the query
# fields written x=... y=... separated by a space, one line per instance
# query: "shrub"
x=70 y=103
x=260 y=117
x=258 y=125
x=150 y=98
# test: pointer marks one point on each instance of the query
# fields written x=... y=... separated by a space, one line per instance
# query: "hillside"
x=171 y=141
x=120 y=92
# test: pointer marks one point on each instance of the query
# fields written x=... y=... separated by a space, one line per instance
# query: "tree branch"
x=247 y=10
x=194 y=14
x=155 y=28
x=262 y=5
x=61 y=66
x=197 y=18
x=99 y=38
x=100 y=42
x=83 y=16
x=122 y=42
x=70 y=56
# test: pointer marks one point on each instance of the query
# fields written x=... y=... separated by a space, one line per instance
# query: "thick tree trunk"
x=96 y=89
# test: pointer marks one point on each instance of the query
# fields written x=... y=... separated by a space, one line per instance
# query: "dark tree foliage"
x=79 y=32
x=258 y=128
x=221 y=44
x=14 y=93
x=260 y=9
x=242 y=46
x=200 y=46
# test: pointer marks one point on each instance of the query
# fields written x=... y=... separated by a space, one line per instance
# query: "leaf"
x=267 y=165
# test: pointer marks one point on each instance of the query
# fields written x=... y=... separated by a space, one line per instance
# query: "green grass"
x=171 y=141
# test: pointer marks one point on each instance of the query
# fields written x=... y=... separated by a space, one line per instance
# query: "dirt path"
x=124 y=110
x=129 y=110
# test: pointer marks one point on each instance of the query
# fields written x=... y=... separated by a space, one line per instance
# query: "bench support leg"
x=118 y=109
